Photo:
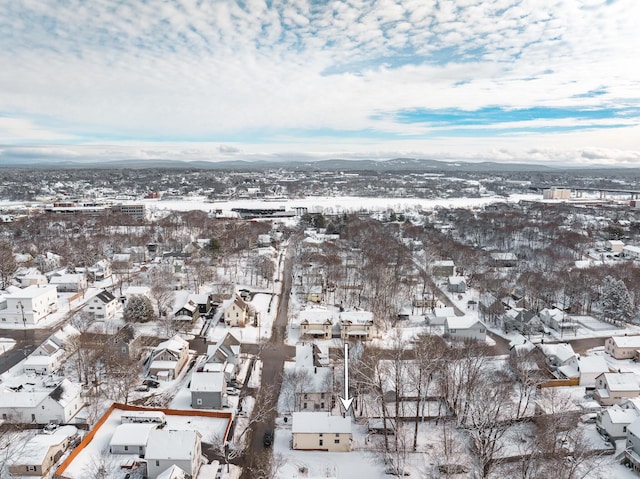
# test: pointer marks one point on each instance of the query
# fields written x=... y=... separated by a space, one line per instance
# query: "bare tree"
x=162 y=291
x=8 y=265
x=121 y=376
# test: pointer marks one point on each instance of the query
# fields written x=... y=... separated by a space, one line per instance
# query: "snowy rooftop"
x=592 y=364
x=461 y=322
x=207 y=382
x=131 y=434
x=171 y=444
x=32 y=291
x=619 y=415
x=621 y=381
x=205 y=422
x=37 y=448
x=320 y=422
x=626 y=341
x=563 y=351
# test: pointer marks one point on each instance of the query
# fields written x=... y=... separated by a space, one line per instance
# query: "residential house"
x=174 y=472
x=48 y=261
x=558 y=355
x=356 y=325
x=315 y=293
x=127 y=342
x=235 y=311
x=614 y=388
x=615 y=246
x=40 y=401
x=44 y=363
x=622 y=347
x=491 y=308
x=558 y=320
x=41 y=452
x=524 y=321
x=224 y=356
x=168 y=358
x=136 y=290
x=186 y=311
x=121 y=263
x=167 y=448
x=631 y=251
x=314 y=388
x=203 y=301
x=316 y=323
x=613 y=421
x=103 y=306
x=131 y=438
x=69 y=282
x=456 y=284
x=586 y=368
x=632 y=449
x=208 y=390
x=30 y=277
x=320 y=431
x=465 y=327
x=443 y=269
x=29 y=305
x=438 y=316
x=504 y=260
x=100 y=270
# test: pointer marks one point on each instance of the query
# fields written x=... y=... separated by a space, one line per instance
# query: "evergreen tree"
x=616 y=300
x=138 y=309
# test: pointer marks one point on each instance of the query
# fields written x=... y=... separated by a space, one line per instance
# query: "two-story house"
x=168 y=358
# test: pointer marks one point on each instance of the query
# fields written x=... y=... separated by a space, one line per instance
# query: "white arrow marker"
x=346 y=401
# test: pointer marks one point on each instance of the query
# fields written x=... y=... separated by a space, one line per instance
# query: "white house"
x=40 y=402
x=630 y=251
x=465 y=327
x=613 y=421
x=558 y=355
x=166 y=448
x=104 y=305
x=30 y=277
x=69 y=282
x=586 y=368
x=131 y=438
x=622 y=347
x=320 y=431
x=29 y=305
x=614 y=388
x=438 y=316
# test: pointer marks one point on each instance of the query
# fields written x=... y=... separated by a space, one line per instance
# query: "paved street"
x=273 y=356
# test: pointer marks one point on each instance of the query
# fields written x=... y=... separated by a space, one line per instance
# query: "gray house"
x=208 y=390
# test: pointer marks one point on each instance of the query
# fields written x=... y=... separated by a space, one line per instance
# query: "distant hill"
x=395 y=164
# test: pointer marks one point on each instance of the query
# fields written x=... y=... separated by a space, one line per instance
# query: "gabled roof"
x=170 y=444
x=105 y=296
x=621 y=381
x=320 y=422
x=626 y=341
x=131 y=434
x=207 y=382
x=34 y=452
x=174 y=472
x=461 y=322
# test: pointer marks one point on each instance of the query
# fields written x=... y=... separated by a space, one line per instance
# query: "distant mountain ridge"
x=394 y=164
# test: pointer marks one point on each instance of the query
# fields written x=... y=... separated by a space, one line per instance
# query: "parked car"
x=142 y=388
x=267 y=439
x=233 y=392
x=152 y=383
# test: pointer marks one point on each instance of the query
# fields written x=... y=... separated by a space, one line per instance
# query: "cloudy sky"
x=508 y=80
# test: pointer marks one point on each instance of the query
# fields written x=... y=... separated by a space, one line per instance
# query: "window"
x=321 y=405
x=126 y=448
x=321 y=395
x=157 y=463
x=31 y=468
x=337 y=441
x=321 y=442
x=304 y=406
x=199 y=401
x=306 y=396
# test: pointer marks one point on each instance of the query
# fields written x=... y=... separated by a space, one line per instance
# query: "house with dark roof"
x=103 y=306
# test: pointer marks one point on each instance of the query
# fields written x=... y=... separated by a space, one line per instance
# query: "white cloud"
x=221 y=71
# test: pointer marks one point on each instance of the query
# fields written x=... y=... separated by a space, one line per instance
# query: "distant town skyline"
x=536 y=81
